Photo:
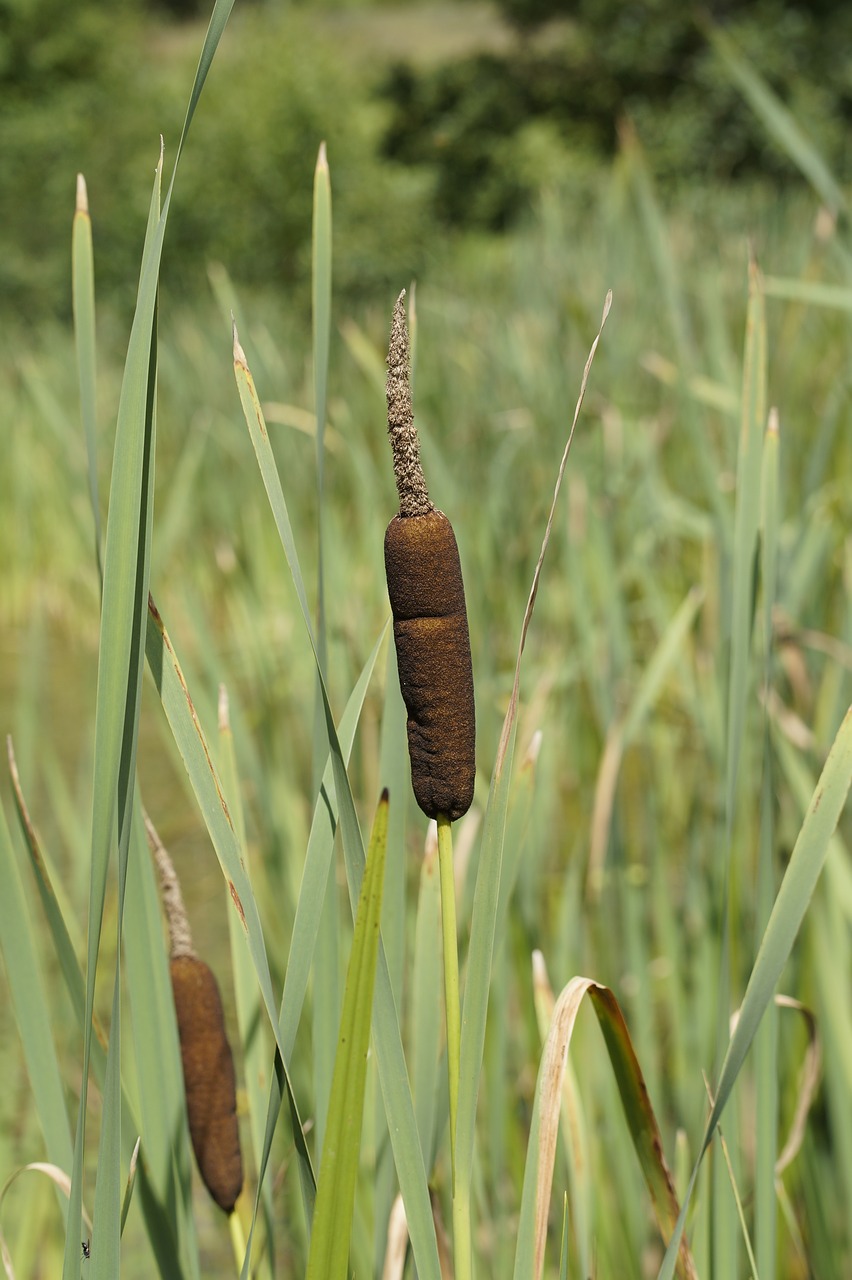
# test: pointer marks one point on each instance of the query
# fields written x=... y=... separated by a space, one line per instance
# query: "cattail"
x=208 y=1065
x=429 y=615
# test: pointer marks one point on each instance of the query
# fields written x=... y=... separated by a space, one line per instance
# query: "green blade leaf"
x=83 y=291
x=32 y=1011
x=329 y=1253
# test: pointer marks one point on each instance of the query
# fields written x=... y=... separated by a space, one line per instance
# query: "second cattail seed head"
x=430 y=628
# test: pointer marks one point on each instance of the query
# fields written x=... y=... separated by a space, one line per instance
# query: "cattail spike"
x=410 y=481
x=430 y=631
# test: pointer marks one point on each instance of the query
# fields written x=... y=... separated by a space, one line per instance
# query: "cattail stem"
x=461 y=1201
x=451 y=971
x=180 y=935
x=238 y=1240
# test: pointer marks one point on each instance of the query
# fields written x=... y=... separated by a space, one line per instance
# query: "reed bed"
x=652 y=824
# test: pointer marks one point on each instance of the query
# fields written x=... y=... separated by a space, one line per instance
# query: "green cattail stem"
x=461 y=1195
x=451 y=973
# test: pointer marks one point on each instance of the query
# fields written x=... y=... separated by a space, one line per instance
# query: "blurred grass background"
x=517 y=171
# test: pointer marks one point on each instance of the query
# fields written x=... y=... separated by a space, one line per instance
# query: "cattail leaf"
x=31 y=1007
x=563 y=1253
x=305 y=924
x=317 y=863
x=162 y=1111
x=131 y=1184
x=766 y=1040
x=321 y=296
x=156 y=1205
x=253 y=1034
x=393 y=777
x=105 y=1261
x=797 y=886
x=574 y=1129
x=83 y=295
x=126 y=566
x=121 y=649
x=813 y=293
x=325 y=1009
x=641 y=1121
x=391 y=1059
x=746 y=523
x=426 y=997
x=742 y=615
x=624 y=731
x=329 y=1253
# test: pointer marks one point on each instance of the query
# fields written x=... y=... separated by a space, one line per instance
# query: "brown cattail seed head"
x=209 y=1079
x=429 y=616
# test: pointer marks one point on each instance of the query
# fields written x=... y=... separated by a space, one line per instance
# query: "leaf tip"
x=239 y=354
x=82 y=197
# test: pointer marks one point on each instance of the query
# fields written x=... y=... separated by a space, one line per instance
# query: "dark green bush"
x=607 y=61
x=88 y=88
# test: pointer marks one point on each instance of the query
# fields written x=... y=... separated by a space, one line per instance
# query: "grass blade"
x=32 y=1011
x=83 y=291
x=329 y=1253
x=253 y=1035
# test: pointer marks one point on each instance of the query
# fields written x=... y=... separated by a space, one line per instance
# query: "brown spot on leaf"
x=237 y=903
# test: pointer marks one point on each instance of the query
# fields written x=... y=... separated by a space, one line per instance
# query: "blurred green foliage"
x=89 y=89
x=601 y=63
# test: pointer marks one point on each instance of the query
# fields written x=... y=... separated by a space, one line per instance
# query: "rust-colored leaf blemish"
x=155 y=614
x=237 y=903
